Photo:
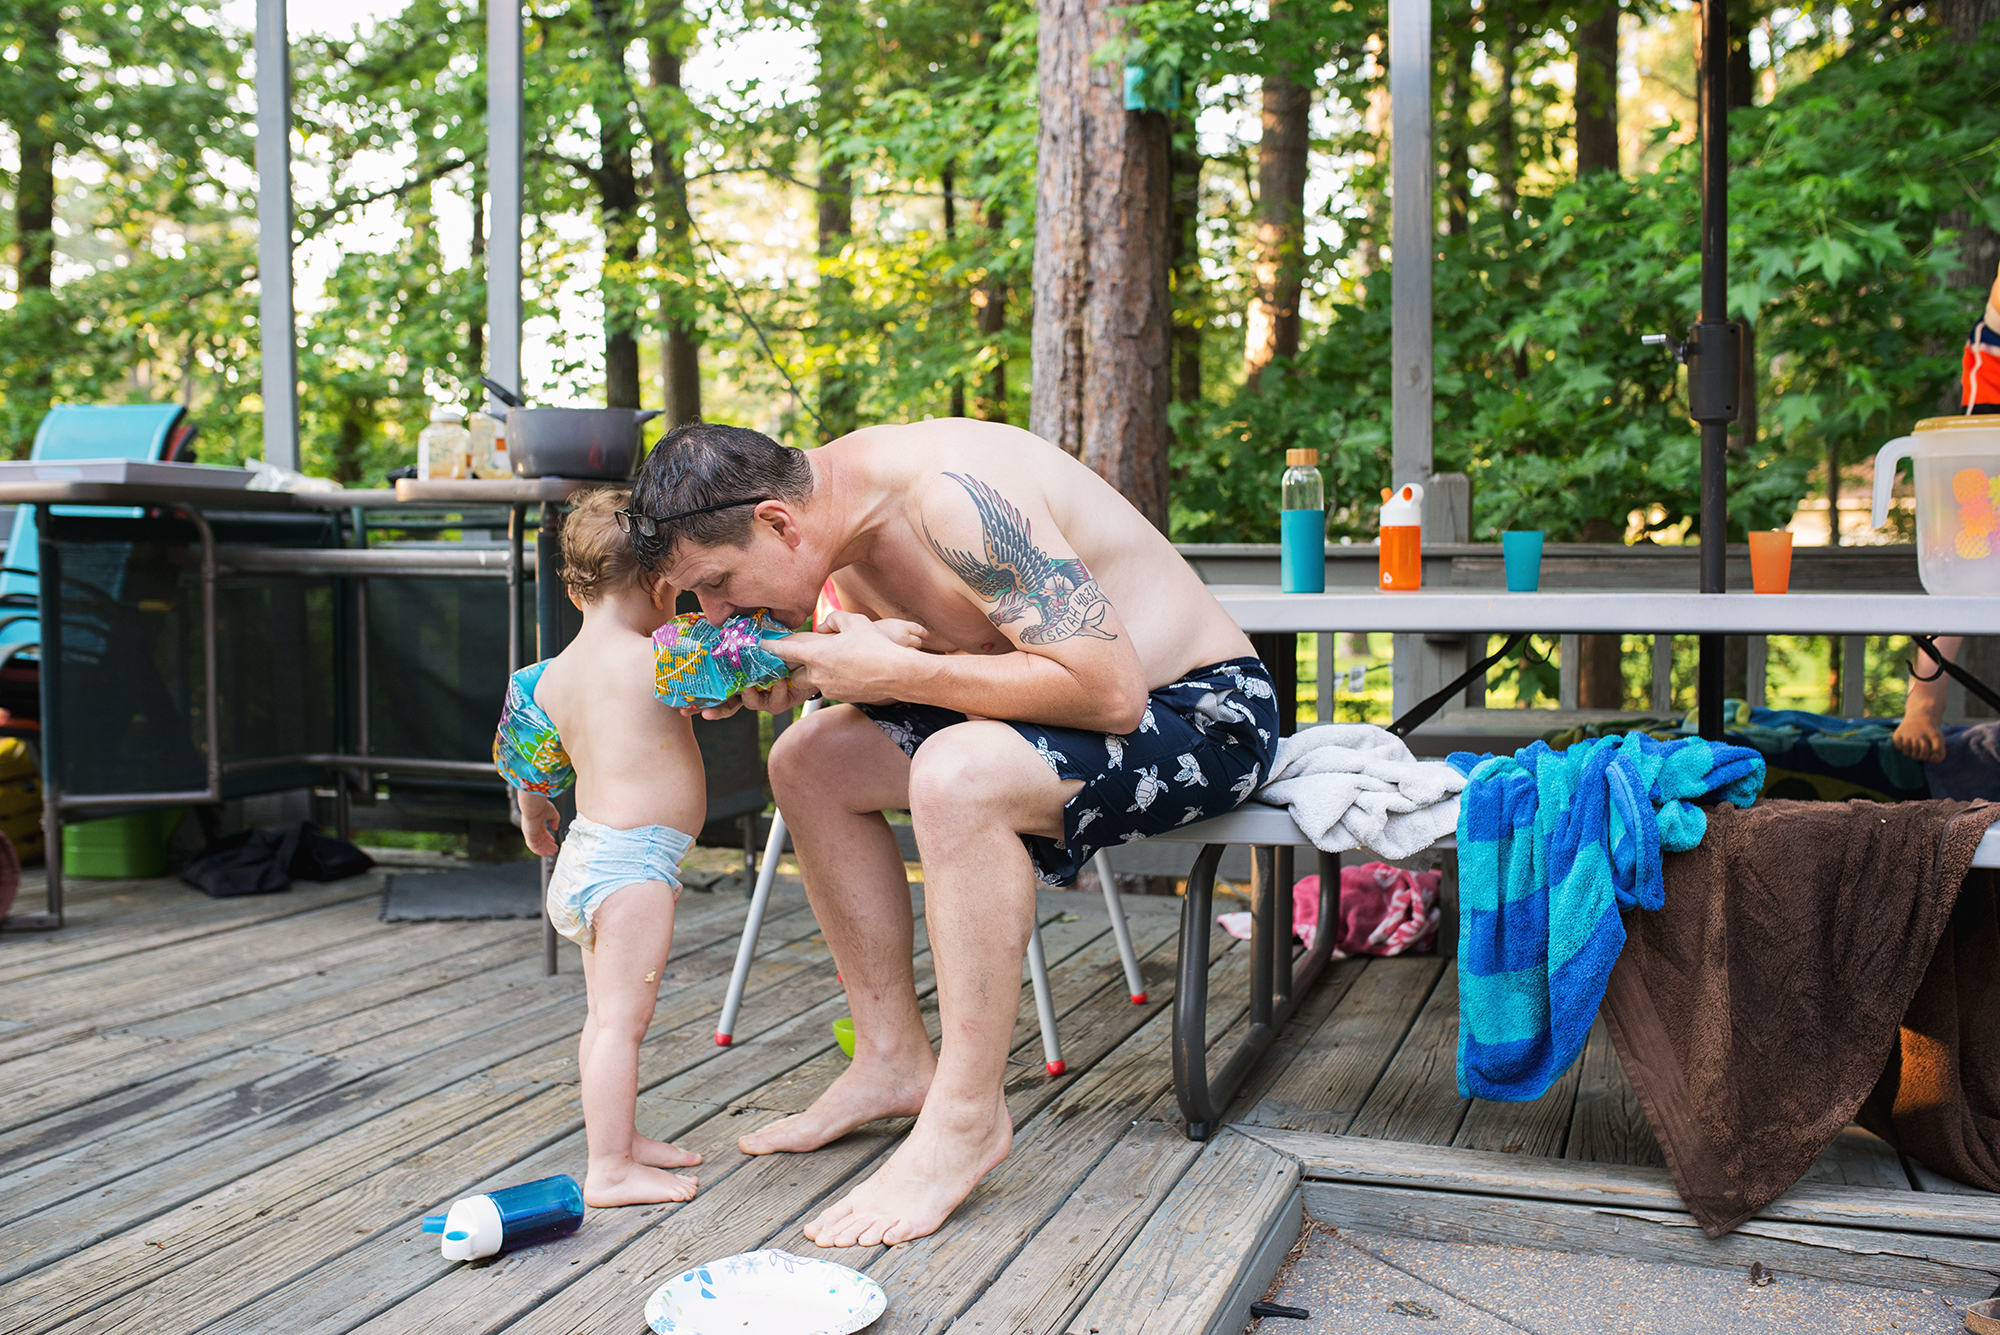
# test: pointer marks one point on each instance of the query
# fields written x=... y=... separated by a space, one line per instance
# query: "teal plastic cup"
x=1522 y=550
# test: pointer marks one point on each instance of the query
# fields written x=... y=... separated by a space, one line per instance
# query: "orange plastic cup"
x=1771 y=561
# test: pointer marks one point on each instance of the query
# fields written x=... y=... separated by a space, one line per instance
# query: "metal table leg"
x=548 y=642
x=48 y=607
x=1276 y=981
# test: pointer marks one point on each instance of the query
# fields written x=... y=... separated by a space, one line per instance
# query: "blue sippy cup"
x=511 y=1218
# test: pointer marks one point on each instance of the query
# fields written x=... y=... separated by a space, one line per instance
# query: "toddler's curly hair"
x=597 y=556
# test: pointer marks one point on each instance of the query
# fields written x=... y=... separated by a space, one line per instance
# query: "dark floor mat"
x=494 y=890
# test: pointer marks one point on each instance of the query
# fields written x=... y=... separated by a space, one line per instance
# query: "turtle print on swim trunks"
x=1205 y=744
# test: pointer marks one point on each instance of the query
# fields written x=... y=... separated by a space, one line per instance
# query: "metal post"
x=503 y=184
x=49 y=609
x=277 y=330
x=548 y=585
x=1714 y=361
x=1410 y=171
x=517 y=522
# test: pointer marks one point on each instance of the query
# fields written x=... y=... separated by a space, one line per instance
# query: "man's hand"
x=539 y=822
x=853 y=658
x=804 y=684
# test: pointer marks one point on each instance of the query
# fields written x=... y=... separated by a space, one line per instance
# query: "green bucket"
x=129 y=847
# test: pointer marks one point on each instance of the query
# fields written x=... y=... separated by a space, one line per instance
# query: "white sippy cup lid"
x=471 y=1229
x=1404 y=506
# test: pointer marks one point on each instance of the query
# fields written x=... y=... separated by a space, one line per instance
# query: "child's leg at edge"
x=634 y=930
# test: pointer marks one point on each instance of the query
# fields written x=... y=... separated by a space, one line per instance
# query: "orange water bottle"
x=1402 y=538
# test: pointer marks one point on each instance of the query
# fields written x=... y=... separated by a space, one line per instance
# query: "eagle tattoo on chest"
x=1020 y=577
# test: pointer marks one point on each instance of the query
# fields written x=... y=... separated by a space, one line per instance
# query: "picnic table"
x=1278 y=980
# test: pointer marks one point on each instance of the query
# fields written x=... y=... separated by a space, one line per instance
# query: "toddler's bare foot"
x=659 y=1154
x=864 y=1092
x=632 y=1183
x=924 y=1181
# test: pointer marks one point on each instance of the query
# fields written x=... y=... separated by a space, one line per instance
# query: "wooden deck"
x=230 y=1115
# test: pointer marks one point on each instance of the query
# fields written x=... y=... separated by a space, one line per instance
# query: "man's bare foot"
x=659 y=1154
x=633 y=1183
x=863 y=1093
x=924 y=1181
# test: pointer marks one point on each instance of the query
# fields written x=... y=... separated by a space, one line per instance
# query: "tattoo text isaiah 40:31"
x=1020 y=576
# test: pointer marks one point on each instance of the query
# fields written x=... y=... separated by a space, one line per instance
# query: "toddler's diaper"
x=597 y=860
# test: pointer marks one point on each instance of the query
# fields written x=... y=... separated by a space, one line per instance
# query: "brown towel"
x=1758 y=1010
x=1939 y=1096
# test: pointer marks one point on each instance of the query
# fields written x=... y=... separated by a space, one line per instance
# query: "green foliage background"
x=1847 y=189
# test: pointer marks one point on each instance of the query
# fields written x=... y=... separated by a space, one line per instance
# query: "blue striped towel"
x=1552 y=845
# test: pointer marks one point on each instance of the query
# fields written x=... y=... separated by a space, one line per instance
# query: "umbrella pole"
x=1714 y=361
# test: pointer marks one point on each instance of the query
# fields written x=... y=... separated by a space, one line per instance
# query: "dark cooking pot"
x=575 y=442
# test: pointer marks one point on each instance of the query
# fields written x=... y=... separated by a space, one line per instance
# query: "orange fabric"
x=1979 y=379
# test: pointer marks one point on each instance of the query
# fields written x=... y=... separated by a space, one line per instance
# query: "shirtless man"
x=1038 y=596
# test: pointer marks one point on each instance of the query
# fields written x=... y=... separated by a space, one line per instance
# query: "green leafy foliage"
x=1544 y=393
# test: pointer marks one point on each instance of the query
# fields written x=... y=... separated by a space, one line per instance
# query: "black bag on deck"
x=270 y=858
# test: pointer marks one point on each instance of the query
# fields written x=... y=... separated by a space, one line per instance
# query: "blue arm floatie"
x=697 y=664
x=527 y=750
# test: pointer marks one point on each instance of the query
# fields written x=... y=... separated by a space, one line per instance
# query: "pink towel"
x=1384 y=910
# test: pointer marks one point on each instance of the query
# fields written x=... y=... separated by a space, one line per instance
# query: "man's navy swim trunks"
x=1204 y=746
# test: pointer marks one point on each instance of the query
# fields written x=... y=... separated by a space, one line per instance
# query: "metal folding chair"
x=1038 y=969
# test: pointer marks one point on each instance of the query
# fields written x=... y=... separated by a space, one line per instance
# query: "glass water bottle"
x=1302 y=524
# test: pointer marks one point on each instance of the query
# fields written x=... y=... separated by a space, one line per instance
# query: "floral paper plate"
x=766 y=1293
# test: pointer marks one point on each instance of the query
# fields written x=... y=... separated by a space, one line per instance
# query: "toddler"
x=588 y=717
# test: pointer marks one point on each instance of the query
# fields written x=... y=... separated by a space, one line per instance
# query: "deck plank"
x=686 y=1108
x=722 y=1075
x=799 y=1195
x=1537 y=1128
x=1330 y=1079
x=376 y=1037
x=1191 y=1255
x=91 y=1069
x=1046 y=1281
x=1416 y=1100
x=160 y=917
x=1860 y=1158
x=1609 y=1126
x=544 y=1021
x=1313 y=1010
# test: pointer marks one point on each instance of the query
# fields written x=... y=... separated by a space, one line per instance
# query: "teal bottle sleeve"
x=1302 y=553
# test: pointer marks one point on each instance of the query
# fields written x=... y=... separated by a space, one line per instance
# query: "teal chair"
x=141 y=431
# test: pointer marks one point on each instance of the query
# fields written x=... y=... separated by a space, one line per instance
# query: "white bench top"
x=1256 y=823
x=1262 y=608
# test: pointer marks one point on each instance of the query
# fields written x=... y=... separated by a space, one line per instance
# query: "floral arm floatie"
x=697 y=664
x=527 y=750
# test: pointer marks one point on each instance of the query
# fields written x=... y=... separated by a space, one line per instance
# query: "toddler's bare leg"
x=634 y=930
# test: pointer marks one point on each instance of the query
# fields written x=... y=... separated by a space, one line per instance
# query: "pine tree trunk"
x=34 y=248
x=1597 y=90
x=35 y=184
x=1101 y=331
x=948 y=185
x=839 y=395
x=1184 y=263
x=680 y=347
x=991 y=299
x=618 y=199
x=1277 y=264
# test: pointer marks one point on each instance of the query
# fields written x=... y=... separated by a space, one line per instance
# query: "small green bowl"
x=843 y=1034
